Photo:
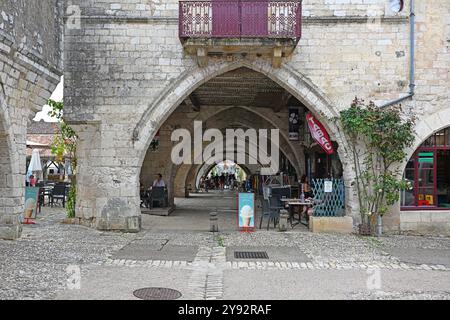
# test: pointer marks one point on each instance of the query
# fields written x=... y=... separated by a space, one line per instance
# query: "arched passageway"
x=207 y=175
x=240 y=99
x=182 y=102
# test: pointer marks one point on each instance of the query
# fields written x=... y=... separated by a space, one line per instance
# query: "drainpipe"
x=412 y=41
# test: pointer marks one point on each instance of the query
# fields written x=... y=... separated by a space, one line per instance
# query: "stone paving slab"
x=141 y=250
x=118 y=283
x=326 y=284
x=422 y=256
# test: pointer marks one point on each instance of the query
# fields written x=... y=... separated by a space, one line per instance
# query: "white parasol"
x=35 y=164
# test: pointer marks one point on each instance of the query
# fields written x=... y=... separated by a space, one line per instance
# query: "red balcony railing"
x=240 y=18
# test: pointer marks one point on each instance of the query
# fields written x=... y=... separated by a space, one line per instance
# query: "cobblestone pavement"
x=35 y=266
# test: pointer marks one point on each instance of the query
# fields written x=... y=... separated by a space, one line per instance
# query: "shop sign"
x=319 y=134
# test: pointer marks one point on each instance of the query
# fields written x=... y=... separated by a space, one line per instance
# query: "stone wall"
x=430 y=105
x=126 y=72
x=30 y=69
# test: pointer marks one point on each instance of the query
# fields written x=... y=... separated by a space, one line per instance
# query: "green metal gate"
x=329 y=195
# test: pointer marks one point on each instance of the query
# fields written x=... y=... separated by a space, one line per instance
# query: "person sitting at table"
x=159 y=182
x=304 y=184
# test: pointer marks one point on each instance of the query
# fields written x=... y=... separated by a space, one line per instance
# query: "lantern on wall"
x=396 y=5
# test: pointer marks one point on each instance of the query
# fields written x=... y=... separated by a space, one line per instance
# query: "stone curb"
x=272 y=265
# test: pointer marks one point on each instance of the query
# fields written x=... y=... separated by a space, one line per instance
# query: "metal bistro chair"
x=271 y=209
x=59 y=193
x=158 y=195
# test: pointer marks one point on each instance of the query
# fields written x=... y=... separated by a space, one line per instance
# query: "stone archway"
x=201 y=170
x=426 y=128
x=293 y=82
x=179 y=174
x=109 y=191
x=271 y=121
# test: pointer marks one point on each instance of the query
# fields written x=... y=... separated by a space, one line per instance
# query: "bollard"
x=282 y=224
x=213 y=222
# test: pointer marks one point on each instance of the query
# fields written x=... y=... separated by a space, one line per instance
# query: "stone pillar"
x=11 y=193
x=107 y=180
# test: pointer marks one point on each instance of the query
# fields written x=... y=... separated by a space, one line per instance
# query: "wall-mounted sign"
x=294 y=124
x=328 y=186
x=246 y=211
x=319 y=134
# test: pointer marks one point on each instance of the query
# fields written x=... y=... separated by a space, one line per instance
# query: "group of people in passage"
x=228 y=181
x=219 y=182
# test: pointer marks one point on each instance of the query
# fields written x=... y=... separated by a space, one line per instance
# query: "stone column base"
x=125 y=224
x=10 y=232
x=331 y=224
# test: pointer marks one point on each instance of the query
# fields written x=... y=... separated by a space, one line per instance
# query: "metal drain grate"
x=250 y=255
x=157 y=294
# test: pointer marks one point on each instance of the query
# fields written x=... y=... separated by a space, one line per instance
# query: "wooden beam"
x=276 y=59
x=202 y=57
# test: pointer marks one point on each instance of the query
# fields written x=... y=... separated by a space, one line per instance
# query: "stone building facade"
x=127 y=73
x=128 y=76
x=30 y=68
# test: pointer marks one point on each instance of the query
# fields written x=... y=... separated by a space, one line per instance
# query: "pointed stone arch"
x=291 y=80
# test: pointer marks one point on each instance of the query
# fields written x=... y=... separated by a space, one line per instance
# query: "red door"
x=226 y=18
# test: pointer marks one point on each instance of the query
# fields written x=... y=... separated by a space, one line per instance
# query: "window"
x=428 y=171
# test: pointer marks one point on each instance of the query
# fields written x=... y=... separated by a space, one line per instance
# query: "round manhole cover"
x=157 y=294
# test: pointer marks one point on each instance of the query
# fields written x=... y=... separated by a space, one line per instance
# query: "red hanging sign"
x=319 y=133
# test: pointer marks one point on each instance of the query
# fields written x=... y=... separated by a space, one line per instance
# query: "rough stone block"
x=331 y=224
x=10 y=232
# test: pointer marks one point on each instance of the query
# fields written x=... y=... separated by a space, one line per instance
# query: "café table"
x=291 y=203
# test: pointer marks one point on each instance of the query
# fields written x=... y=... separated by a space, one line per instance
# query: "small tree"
x=65 y=146
x=378 y=139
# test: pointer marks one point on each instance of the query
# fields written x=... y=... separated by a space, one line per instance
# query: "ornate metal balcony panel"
x=240 y=19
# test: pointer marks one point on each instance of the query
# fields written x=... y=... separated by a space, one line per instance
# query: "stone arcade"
x=129 y=76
